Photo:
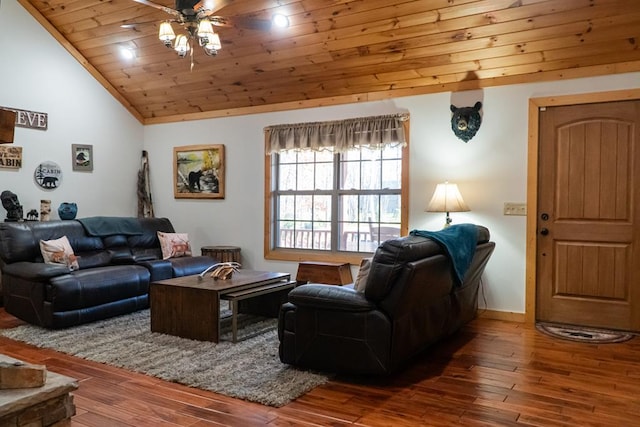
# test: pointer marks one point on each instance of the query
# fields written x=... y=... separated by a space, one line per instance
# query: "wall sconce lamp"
x=447 y=198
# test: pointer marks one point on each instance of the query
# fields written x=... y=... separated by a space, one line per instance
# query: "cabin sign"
x=10 y=157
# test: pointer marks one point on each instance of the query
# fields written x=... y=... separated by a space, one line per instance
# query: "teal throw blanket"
x=459 y=242
x=109 y=225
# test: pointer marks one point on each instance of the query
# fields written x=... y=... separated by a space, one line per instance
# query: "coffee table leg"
x=217 y=326
x=234 y=320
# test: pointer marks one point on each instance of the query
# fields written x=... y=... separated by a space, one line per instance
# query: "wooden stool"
x=222 y=253
x=324 y=272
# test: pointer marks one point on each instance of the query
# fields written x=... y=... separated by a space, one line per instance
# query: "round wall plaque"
x=48 y=175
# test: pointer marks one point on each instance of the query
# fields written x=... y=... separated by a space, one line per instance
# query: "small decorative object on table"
x=45 y=210
x=67 y=210
x=221 y=270
x=21 y=375
x=32 y=215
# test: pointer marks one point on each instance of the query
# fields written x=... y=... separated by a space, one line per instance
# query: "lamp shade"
x=447 y=198
x=214 y=42
x=182 y=45
x=166 y=33
x=205 y=30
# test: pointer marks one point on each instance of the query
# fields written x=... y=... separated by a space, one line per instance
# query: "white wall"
x=490 y=170
x=38 y=74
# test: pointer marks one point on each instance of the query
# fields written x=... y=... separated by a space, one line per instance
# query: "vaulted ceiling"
x=339 y=51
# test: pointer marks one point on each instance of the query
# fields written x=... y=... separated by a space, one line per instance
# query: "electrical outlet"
x=512 y=208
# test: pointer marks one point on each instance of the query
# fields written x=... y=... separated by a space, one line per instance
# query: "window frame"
x=290 y=254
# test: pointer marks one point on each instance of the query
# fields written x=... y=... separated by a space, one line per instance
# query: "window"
x=335 y=203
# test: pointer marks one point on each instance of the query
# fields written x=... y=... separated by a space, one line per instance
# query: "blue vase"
x=67 y=210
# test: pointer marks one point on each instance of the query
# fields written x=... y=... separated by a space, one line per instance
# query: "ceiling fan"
x=198 y=18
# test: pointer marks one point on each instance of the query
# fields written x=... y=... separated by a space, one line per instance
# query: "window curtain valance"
x=340 y=135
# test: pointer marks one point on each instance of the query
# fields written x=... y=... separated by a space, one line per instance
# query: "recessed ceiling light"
x=280 y=20
x=127 y=53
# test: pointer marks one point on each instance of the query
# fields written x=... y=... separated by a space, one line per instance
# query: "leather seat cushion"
x=96 y=286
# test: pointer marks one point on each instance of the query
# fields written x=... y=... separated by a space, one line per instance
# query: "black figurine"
x=32 y=215
x=12 y=205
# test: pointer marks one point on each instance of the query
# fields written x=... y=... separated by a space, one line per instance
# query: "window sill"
x=307 y=255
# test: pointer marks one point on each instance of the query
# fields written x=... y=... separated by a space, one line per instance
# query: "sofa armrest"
x=35 y=271
x=160 y=269
x=330 y=297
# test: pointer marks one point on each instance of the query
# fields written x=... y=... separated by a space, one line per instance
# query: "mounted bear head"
x=465 y=121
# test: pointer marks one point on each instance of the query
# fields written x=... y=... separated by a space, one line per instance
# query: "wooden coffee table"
x=189 y=306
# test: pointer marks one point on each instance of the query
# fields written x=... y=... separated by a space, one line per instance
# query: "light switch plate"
x=513 y=208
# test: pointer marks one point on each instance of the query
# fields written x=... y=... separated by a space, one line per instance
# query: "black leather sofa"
x=411 y=300
x=113 y=278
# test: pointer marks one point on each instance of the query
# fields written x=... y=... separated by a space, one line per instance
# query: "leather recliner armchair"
x=411 y=300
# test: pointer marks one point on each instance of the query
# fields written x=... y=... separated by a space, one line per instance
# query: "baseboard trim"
x=501 y=315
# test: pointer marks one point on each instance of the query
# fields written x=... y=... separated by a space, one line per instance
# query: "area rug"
x=249 y=369
x=583 y=334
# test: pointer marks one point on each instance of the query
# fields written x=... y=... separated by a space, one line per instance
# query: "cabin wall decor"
x=199 y=172
x=465 y=121
x=7 y=126
x=10 y=157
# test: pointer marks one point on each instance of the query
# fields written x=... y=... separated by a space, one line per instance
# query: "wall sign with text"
x=10 y=157
x=48 y=175
x=30 y=119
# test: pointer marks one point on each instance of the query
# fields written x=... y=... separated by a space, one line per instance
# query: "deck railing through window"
x=351 y=241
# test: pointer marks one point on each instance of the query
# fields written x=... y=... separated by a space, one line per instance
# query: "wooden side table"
x=222 y=253
x=324 y=272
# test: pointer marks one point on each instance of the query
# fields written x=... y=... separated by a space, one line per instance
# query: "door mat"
x=583 y=334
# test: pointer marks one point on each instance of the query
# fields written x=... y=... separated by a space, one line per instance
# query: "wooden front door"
x=588 y=218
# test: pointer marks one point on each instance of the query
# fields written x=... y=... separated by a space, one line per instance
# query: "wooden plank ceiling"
x=338 y=51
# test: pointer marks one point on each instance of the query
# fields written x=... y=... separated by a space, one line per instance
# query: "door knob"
x=544 y=231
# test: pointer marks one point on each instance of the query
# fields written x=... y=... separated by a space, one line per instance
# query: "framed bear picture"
x=198 y=172
x=82 y=157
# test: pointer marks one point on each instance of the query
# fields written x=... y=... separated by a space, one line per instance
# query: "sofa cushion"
x=96 y=286
x=174 y=245
x=363 y=274
x=59 y=251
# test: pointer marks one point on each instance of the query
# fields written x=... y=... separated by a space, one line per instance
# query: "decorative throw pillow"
x=59 y=251
x=174 y=245
x=363 y=274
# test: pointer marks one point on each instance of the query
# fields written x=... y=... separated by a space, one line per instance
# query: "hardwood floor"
x=493 y=373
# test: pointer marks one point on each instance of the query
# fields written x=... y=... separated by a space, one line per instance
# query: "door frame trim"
x=535 y=104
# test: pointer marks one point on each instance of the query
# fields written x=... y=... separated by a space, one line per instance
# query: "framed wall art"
x=48 y=175
x=198 y=172
x=82 y=157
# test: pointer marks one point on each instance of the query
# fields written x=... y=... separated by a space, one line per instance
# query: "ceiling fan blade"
x=134 y=25
x=159 y=6
x=209 y=7
x=240 y=22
